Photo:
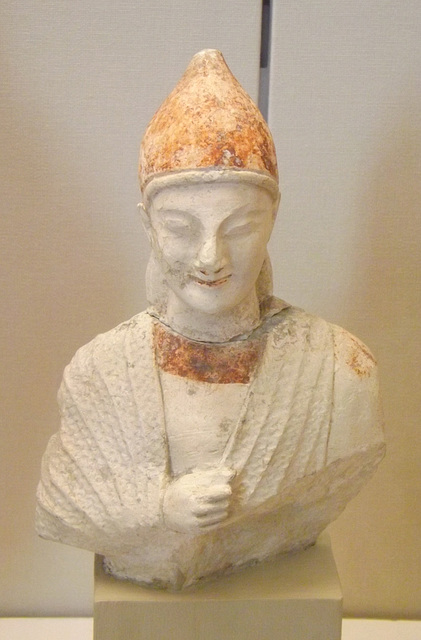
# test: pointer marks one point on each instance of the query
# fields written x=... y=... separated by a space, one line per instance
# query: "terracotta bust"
x=220 y=426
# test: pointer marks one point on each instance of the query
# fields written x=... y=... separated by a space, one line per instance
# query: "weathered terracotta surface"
x=222 y=364
x=360 y=359
x=221 y=426
x=208 y=120
x=353 y=353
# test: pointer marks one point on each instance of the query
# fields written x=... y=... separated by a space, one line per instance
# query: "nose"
x=211 y=257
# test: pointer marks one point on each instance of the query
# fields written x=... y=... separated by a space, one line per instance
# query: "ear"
x=146 y=222
x=276 y=205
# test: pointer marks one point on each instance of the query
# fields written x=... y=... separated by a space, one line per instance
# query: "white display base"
x=81 y=628
x=291 y=598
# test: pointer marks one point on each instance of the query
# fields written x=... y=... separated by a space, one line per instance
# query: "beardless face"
x=210 y=241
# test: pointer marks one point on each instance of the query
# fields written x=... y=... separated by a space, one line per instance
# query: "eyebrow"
x=164 y=209
x=183 y=210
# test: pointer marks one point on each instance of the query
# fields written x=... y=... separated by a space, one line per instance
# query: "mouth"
x=212 y=283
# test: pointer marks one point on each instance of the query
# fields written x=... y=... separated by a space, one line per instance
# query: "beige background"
x=79 y=82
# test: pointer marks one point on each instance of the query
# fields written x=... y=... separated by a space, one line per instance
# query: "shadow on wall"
x=390 y=224
x=388 y=289
x=385 y=309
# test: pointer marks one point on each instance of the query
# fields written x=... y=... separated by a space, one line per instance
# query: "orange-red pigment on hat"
x=207 y=121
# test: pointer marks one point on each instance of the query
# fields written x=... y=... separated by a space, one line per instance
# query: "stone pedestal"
x=296 y=597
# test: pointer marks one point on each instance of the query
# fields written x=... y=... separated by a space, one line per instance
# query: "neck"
x=209 y=327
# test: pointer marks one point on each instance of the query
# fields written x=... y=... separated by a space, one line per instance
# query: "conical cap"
x=207 y=121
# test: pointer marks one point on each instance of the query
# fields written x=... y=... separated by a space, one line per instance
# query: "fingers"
x=198 y=500
x=226 y=474
x=211 y=520
x=208 y=514
x=203 y=510
x=212 y=506
x=217 y=493
x=219 y=476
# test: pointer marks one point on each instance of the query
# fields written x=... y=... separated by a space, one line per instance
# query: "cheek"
x=248 y=253
x=173 y=249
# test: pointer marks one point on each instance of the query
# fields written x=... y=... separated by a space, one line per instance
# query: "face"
x=210 y=240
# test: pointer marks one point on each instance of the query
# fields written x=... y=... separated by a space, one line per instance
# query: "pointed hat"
x=207 y=121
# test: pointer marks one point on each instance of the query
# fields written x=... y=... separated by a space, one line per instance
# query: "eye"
x=242 y=228
x=177 y=226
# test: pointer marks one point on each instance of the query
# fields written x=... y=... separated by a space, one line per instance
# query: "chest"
x=205 y=389
x=199 y=420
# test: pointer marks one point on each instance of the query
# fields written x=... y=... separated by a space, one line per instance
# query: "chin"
x=209 y=307
x=212 y=301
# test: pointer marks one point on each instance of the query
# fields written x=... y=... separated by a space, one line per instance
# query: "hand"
x=199 y=500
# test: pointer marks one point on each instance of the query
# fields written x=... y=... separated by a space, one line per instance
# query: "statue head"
x=209 y=180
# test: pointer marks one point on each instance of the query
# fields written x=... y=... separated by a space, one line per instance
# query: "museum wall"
x=79 y=82
x=345 y=110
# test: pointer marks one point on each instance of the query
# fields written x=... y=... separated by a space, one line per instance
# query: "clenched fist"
x=198 y=500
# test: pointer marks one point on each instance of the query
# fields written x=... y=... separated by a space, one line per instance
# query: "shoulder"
x=353 y=355
x=301 y=330
x=357 y=417
x=109 y=345
x=356 y=422
x=295 y=319
x=350 y=354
